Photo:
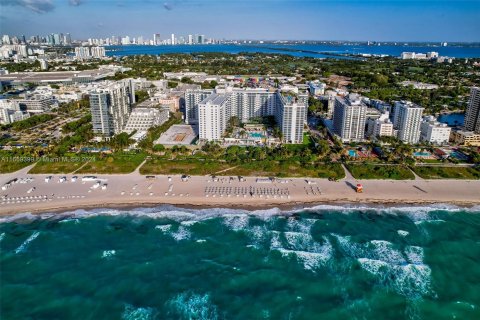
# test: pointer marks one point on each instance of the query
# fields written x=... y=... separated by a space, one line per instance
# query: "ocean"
x=315 y=51
x=326 y=262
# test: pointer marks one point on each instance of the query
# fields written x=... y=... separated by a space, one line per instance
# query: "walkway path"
x=348 y=175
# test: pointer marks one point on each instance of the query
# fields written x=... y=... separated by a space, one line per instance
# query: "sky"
x=374 y=20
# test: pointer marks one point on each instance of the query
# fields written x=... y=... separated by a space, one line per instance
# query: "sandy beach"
x=31 y=193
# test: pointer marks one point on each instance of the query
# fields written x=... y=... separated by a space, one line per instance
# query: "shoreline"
x=369 y=204
x=35 y=195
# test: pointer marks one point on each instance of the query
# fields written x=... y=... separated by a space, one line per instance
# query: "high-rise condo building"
x=212 y=113
x=407 y=120
x=349 y=117
x=97 y=52
x=472 y=116
x=217 y=108
x=110 y=106
x=291 y=116
x=192 y=99
x=190 y=39
x=173 y=42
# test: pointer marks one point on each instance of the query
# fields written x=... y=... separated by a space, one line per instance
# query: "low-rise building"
x=316 y=88
x=381 y=127
x=10 y=113
x=36 y=103
x=142 y=119
x=465 y=138
x=434 y=132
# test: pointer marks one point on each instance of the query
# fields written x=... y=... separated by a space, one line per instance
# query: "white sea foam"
x=275 y=241
x=164 y=227
x=348 y=247
x=188 y=223
x=20 y=216
x=2 y=236
x=410 y=280
x=300 y=225
x=433 y=221
x=403 y=233
x=236 y=222
x=258 y=234
x=417 y=213
x=307 y=251
x=310 y=260
x=108 y=253
x=414 y=254
x=189 y=305
x=385 y=251
x=132 y=313
x=182 y=233
x=24 y=245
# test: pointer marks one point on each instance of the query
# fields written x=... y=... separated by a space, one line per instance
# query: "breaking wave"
x=132 y=313
x=25 y=244
x=415 y=213
x=190 y=305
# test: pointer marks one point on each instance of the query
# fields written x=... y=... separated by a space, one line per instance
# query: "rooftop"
x=214 y=99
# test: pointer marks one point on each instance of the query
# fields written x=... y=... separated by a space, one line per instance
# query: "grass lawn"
x=114 y=163
x=11 y=162
x=288 y=169
x=12 y=166
x=68 y=165
x=447 y=172
x=256 y=168
x=372 y=171
x=189 y=167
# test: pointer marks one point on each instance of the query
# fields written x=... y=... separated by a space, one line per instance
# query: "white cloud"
x=38 y=6
x=75 y=3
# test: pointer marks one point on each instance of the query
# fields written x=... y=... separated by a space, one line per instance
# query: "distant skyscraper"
x=472 y=117
x=156 y=39
x=173 y=42
x=201 y=39
x=407 y=119
x=68 y=39
x=349 y=118
x=190 y=39
x=6 y=39
x=56 y=39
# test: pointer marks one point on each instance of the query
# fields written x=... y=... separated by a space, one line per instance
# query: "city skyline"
x=378 y=20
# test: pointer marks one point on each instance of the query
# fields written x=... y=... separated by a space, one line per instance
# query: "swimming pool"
x=352 y=153
x=459 y=155
x=422 y=154
x=255 y=135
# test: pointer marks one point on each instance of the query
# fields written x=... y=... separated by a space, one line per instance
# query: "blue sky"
x=377 y=20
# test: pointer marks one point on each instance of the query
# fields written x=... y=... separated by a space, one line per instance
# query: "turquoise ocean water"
x=327 y=262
